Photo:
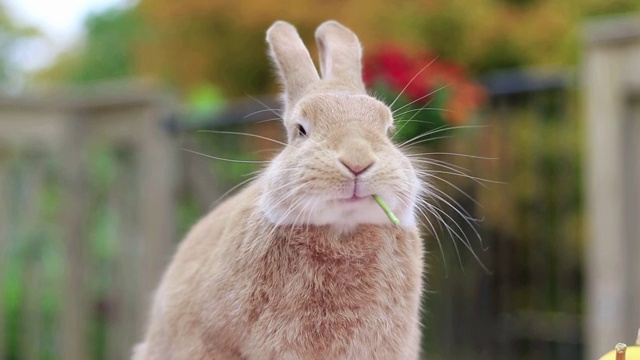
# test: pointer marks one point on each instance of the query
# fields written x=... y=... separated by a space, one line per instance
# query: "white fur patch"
x=344 y=215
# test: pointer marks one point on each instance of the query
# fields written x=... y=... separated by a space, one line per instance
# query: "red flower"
x=419 y=77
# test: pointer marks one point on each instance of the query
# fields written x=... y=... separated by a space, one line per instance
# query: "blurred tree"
x=195 y=42
x=11 y=35
x=108 y=52
x=110 y=43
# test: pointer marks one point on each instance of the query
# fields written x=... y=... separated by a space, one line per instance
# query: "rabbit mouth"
x=354 y=198
x=358 y=194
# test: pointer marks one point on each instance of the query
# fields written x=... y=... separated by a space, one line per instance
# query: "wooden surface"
x=62 y=132
x=4 y=245
x=610 y=76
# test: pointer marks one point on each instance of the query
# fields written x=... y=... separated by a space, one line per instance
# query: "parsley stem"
x=386 y=209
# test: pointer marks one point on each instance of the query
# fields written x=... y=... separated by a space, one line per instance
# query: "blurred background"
x=528 y=115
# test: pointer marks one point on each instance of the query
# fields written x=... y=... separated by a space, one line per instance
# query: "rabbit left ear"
x=340 y=55
x=292 y=59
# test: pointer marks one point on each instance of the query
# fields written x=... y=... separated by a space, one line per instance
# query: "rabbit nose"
x=356 y=155
x=356 y=168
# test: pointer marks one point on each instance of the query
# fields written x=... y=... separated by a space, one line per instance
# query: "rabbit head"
x=339 y=151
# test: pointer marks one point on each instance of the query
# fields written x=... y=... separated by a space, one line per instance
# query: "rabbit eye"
x=302 y=131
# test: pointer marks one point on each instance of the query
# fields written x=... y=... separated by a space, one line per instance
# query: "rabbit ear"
x=340 y=55
x=292 y=59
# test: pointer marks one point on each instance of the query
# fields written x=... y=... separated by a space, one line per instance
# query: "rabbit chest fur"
x=303 y=293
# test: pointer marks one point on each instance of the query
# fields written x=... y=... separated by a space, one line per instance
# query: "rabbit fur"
x=302 y=263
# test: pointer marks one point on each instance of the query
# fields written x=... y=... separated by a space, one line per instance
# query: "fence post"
x=75 y=317
x=157 y=184
x=612 y=66
x=144 y=205
x=4 y=245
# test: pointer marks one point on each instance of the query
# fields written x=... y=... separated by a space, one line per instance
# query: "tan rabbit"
x=303 y=264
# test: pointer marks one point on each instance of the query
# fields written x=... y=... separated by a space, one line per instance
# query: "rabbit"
x=302 y=263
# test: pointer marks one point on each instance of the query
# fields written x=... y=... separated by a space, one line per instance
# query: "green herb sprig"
x=386 y=209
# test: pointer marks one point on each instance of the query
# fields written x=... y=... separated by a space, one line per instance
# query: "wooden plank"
x=31 y=317
x=4 y=245
x=632 y=166
x=613 y=31
x=30 y=230
x=606 y=272
x=157 y=189
x=22 y=128
x=75 y=314
x=126 y=273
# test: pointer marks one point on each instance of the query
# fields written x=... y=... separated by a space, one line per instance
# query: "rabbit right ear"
x=292 y=59
x=340 y=55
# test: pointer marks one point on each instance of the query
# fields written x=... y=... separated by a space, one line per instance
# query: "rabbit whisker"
x=466 y=243
x=267 y=120
x=278 y=223
x=467 y=219
x=431 y=210
x=427 y=163
x=438 y=130
x=245 y=134
x=310 y=213
x=455 y=154
x=411 y=81
x=300 y=213
x=233 y=188
x=411 y=118
x=420 y=109
x=479 y=180
x=421 y=97
x=459 y=170
x=414 y=120
x=266 y=107
x=454 y=186
x=289 y=193
x=297 y=202
x=437 y=237
x=225 y=159
x=253 y=173
x=260 y=111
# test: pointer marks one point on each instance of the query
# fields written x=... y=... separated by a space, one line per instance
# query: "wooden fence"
x=57 y=289
x=95 y=193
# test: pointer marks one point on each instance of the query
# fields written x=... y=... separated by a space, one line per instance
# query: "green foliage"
x=610 y=7
x=109 y=48
x=33 y=256
x=205 y=101
x=451 y=23
x=532 y=232
x=222 y=41
x=502 y=53
x=11 y=35
x=411 y=121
